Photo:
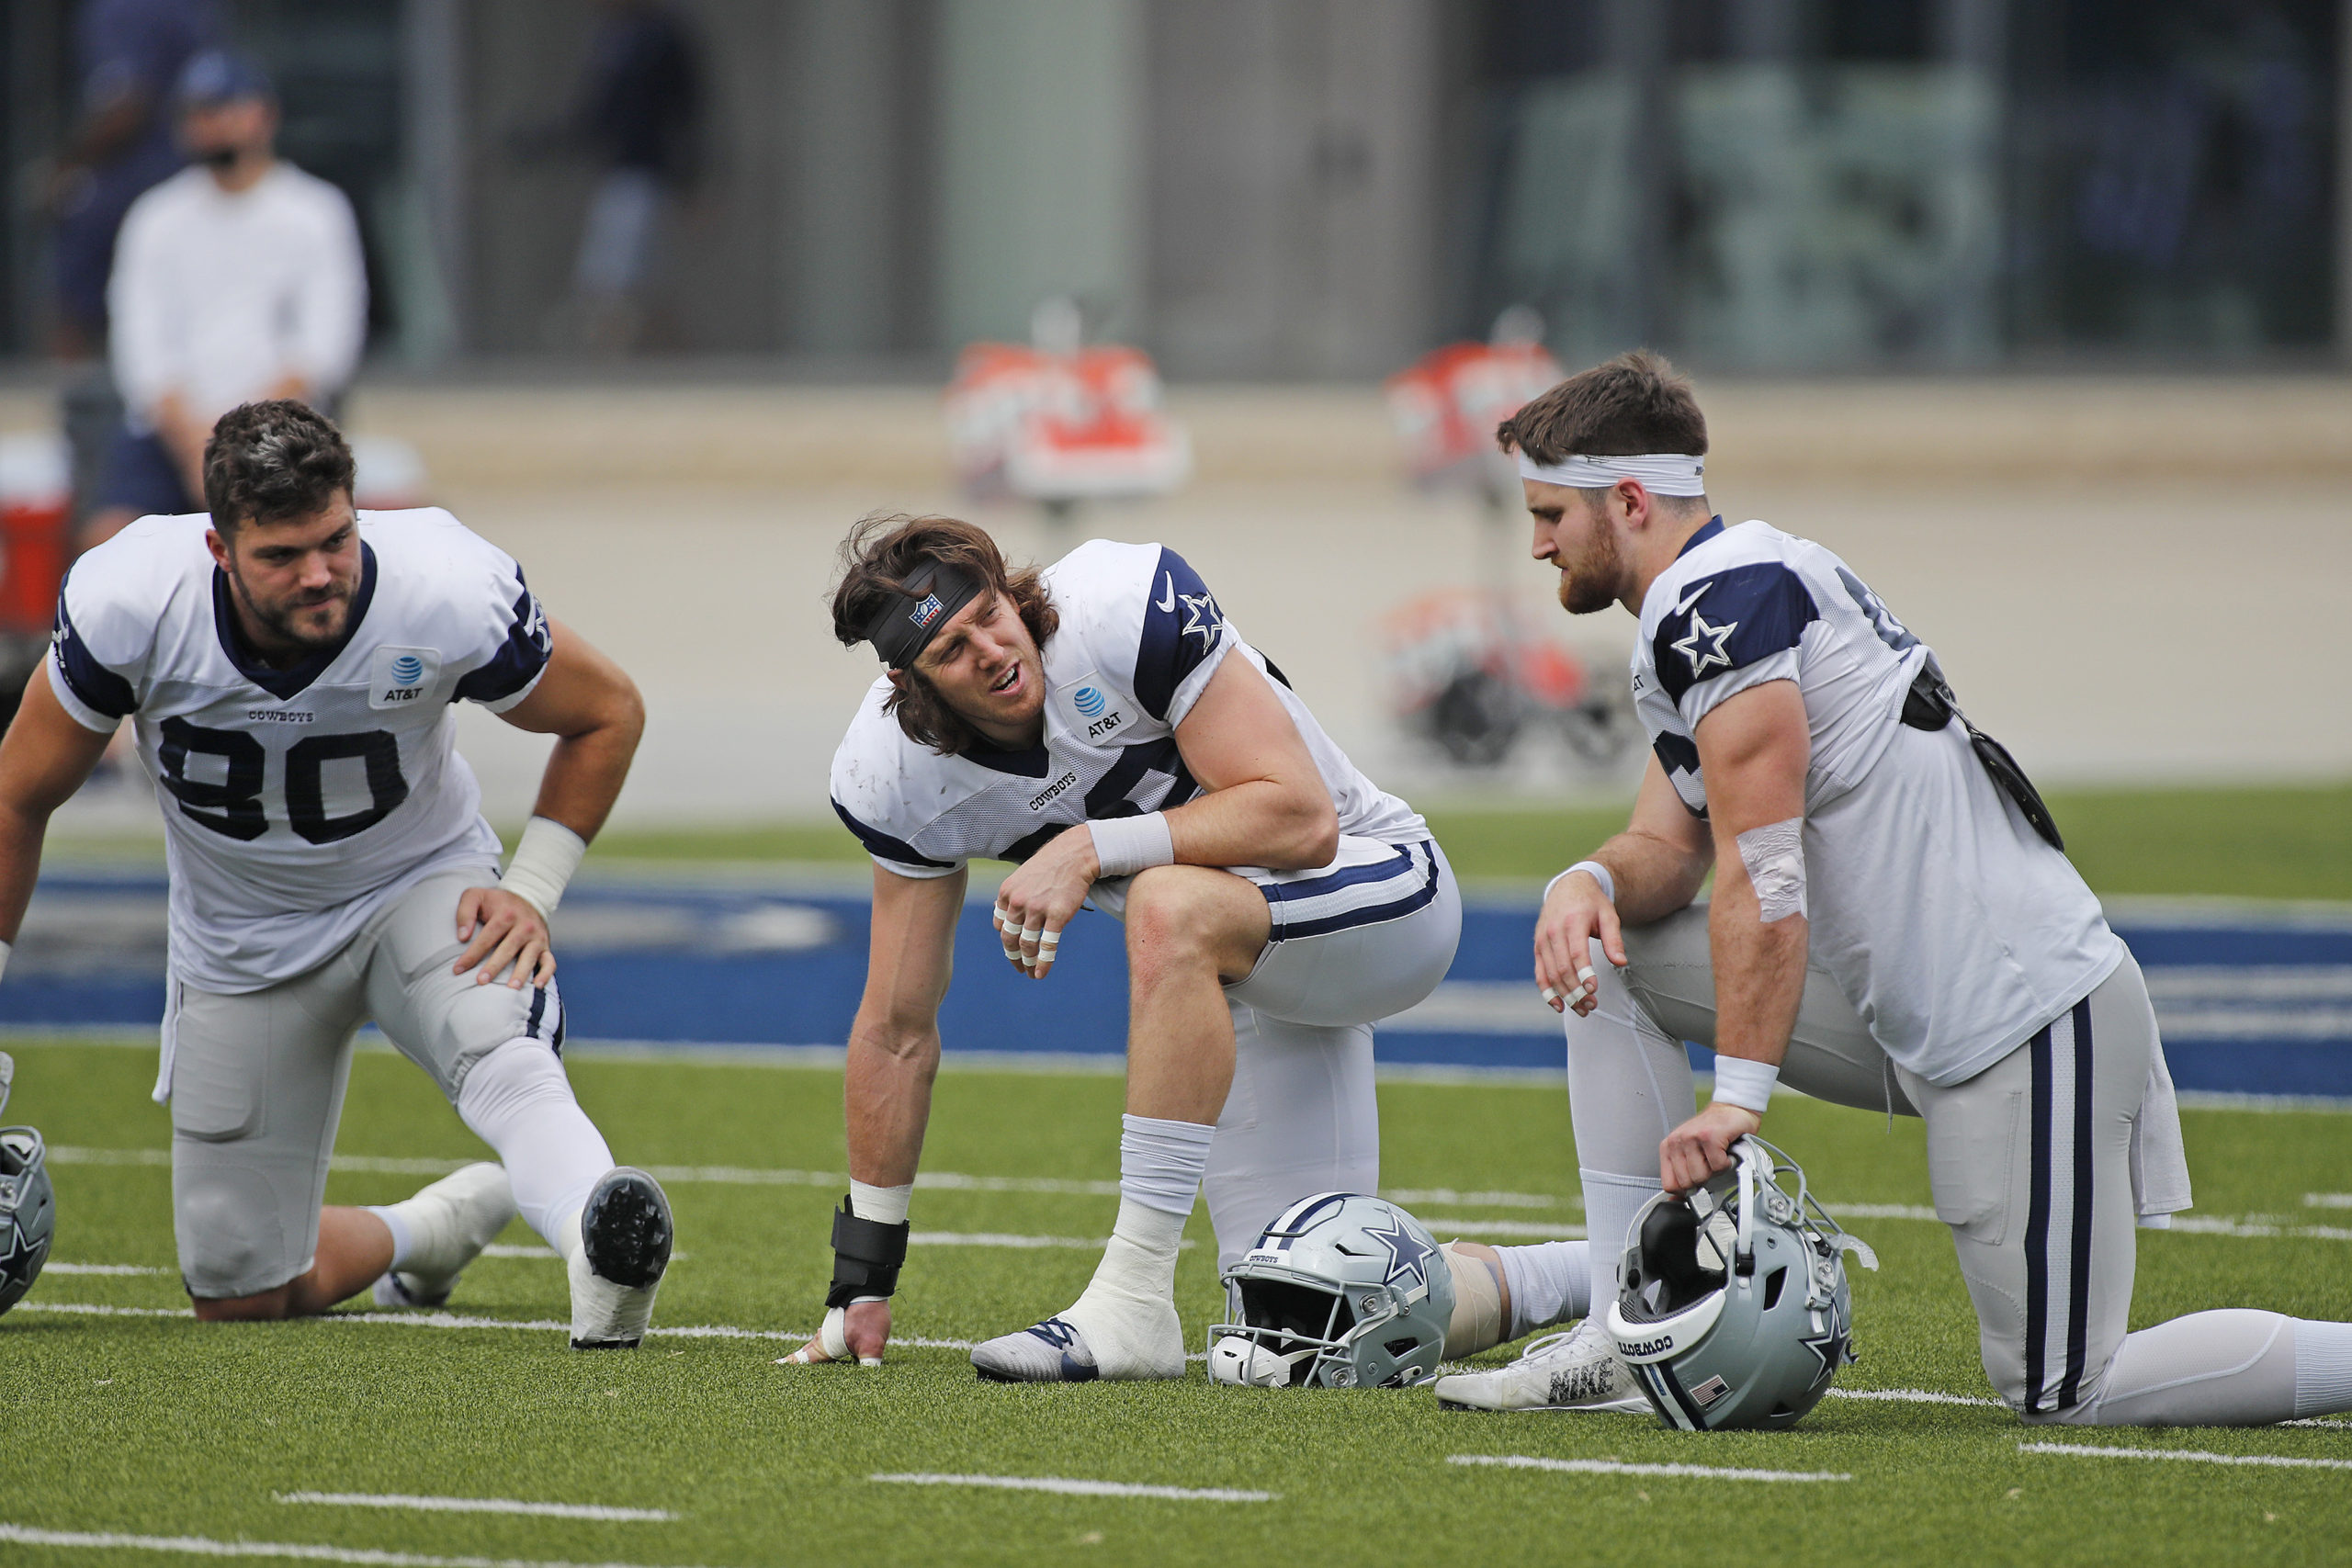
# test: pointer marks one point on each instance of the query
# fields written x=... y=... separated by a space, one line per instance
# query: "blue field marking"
x=2250 y=1001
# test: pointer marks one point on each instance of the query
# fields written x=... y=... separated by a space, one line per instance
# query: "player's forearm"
x=1655 y=877
x=1760 y=972
x=586 y=769
x=888 y=1096
x=1266 y=822
x=21 y=832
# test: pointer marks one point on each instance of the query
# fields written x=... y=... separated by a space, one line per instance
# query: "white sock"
x=2323 y=1368
x=1160 y=1163
x=1550 y=1282
x=395 y=1223
x=518 y=1101
x=1611 y=1202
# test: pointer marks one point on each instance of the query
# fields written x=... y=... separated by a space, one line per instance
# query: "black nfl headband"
x=906 y=622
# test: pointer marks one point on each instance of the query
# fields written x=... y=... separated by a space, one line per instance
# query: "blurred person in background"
x=238 y=280
x=130 y=53
x=638 y=112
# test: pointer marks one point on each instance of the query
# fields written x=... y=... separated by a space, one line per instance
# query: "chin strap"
x=867 y=1257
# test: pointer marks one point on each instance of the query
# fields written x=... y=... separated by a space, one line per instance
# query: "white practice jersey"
x=1140 y=636
x=296 y=802
x=1951 y=927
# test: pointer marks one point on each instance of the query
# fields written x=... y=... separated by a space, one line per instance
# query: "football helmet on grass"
x=1735 y=1310
x=27 y=1205
x=1343 y=1290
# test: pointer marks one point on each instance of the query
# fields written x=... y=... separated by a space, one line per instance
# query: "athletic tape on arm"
x=1125 y=845
x=1774 y=856
x=544 y=858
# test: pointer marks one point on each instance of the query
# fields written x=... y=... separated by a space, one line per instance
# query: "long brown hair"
x=883 y=550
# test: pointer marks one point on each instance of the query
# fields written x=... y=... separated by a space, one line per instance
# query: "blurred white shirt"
x=218 y=295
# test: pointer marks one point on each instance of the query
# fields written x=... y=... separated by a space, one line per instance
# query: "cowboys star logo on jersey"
x=1702 y=658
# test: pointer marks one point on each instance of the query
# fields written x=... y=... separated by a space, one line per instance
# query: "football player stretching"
x=1102 y=725
x=1895 y=926
x=289 y=666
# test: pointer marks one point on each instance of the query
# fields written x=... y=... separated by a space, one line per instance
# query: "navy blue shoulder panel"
x=518 y=660
x=97 y=686
x=1729 y=620
x=1181 y=626
x=877 y=842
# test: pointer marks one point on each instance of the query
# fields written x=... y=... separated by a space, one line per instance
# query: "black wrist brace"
x=867 y=1255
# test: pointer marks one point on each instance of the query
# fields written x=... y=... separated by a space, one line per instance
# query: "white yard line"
x=756 y=1176
x=1081 y=1488
x=2327 y=1199
x=204 y=1546
x=56 y=1268
x=479 y=1505
x=1467 y=1224
x=1614 y=1467
x=535 y=1325
x=1911 y=1396
x=2192 y=1456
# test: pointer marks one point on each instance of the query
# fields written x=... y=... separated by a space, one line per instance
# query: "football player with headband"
x=291 y=668
x=1895 y=926
x=1102 y=725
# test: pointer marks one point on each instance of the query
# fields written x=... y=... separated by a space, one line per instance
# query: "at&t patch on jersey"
x=1096 y=711
x=403 y=675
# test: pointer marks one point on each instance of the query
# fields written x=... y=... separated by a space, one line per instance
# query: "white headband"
x=1660 y=473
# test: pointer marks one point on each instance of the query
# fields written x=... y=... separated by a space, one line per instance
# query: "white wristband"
x=544 y=858
x=1745 y=1083
x=883 y=1205
x=1125 y=845
x=1591 y=868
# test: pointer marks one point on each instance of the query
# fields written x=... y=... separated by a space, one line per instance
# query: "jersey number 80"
x=234 y=807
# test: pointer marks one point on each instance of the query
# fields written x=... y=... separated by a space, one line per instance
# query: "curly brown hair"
x=274 y=461
x=883 y=550
x=1634 y=403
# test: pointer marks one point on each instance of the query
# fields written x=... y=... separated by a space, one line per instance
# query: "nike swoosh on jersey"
x=1167 y=599
x=1695 y=593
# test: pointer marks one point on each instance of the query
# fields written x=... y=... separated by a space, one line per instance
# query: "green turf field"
x=2264 y=842
x=149 y=1425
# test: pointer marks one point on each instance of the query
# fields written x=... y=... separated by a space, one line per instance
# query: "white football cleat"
x=448 y=1225
x=1577 y=1370
x=625 y=1233
x=1113 y=1335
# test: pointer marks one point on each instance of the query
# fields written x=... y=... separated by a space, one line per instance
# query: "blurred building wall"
x=1292 y=174
x=1289 y=188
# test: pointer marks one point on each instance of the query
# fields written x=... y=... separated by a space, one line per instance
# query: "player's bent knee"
x=233 y=1247
x=269 y=1307
x=1193 y=912
x=511 y=1074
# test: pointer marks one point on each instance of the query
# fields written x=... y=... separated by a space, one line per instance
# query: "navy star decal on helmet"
x=1734 y=1311
x=27 y=1206
x=1343 y=1290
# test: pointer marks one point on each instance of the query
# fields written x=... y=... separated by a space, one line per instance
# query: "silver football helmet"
x=27 y=1206
x=1343 y=1290
x=1735 y=1310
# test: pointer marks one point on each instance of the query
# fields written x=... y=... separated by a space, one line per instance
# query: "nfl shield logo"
x=925 y=612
